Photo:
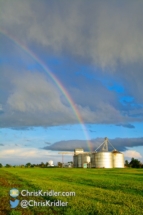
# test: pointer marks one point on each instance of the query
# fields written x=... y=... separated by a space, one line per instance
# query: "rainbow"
x=56 y=81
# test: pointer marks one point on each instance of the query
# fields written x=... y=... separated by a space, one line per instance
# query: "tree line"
x=134 y=163
x=29 y=165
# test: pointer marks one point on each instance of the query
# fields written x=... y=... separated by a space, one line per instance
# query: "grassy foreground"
x=98 y=191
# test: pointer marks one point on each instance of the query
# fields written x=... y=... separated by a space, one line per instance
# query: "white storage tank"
x=51 y=163
x=86 y=159
x=118 y=159
x=104 y=160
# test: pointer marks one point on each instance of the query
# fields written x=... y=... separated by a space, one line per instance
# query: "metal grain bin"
x=93 y=159
x=87 y=159
x=83 y=158
x=75 y=161
x=104 y=160
x=80 y=162
x=118 y=159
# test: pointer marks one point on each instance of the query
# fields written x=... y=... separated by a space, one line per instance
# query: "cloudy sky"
x=71 y=74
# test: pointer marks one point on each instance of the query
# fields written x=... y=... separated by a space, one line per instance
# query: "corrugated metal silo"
x=103 y=160
x=87 y=159
x=83 y=158
x=93 y=159
x=118 y=159
x=79 y=160
x=75 y=161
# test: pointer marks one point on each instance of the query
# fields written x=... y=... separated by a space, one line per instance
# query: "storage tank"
x=93 y=159
x=51 y=163
x=86 y=159
x=78 y=151
x=99 y=159
x=118 y=159
x=75 y=161
x=79 y=160
x=104 y=160
x=83 y=158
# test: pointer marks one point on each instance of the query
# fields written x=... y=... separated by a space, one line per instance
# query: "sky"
x=71 y=75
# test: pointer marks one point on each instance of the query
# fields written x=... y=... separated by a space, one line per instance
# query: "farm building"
x=99 y=159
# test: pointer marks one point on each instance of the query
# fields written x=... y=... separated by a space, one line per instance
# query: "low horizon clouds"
x=132 y=154
x=22 y=155
x=120 y=144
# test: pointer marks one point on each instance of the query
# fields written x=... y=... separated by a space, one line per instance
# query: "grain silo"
x=103 y=158
x=118 y=159
x=80 y=158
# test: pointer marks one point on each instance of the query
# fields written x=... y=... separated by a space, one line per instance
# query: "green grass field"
x=98 y=191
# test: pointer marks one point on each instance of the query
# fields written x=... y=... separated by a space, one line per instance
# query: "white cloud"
x=24 y=155
x=132 y=154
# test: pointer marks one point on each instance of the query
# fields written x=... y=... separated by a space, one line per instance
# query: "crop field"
x=98 y=191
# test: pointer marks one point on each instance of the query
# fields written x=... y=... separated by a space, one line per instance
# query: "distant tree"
x=60 y=164
x=135 y=163
x=46 y=164
x=7 y=165
x=28 y=164
x=1 y=165
x=32 y=165
x=126 y=163
x=42 y=165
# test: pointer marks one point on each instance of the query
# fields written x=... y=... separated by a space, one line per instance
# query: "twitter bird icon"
x=14 y=204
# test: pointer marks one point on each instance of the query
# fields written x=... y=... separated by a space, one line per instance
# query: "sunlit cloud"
x=132 y=154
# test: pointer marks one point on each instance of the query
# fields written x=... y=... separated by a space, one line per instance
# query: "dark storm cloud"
x=120 y=144
x=104 y=35
x=69 y=145
x=104 y=32
x=34 y=101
